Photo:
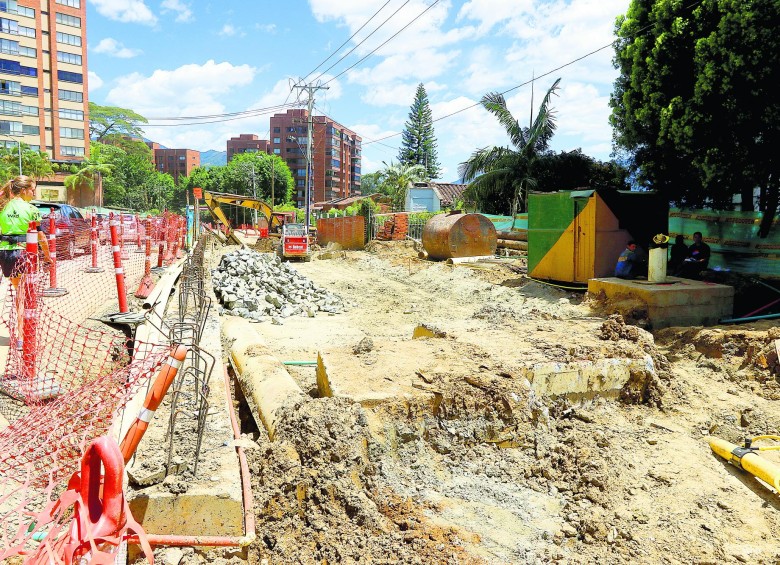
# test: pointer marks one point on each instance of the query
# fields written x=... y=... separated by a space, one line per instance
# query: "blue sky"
x=188 y=58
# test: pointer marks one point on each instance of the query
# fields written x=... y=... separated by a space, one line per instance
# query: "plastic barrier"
x=153 y=399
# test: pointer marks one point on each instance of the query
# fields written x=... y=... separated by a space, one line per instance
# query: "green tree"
x=131 y=177
x=500 y=177
x=35 y=164
x=250 y=174
x=371 y=183
x=111 y=121
x=694 y=107
x=569 y=170
x=398 y=178
x=88 y=174
x=418 y=144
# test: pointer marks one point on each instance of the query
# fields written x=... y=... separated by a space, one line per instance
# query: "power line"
x=347 y=41
x=418 y=16
x=221 y=118
x=363 y=40
x=578 y=59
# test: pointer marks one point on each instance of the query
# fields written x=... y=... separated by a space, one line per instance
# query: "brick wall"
x=348 y=232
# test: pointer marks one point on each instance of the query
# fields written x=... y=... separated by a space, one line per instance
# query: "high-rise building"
x=43 y=78
x=245 y=143
x=336 y=155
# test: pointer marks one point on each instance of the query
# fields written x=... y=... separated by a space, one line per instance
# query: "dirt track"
x=461 y=463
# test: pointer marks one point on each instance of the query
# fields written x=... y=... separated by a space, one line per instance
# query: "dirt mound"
x=265 y=245
x=741 y=355
x=318 y=500
x=633 y=310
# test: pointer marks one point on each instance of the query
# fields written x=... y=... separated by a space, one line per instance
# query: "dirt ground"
x=451 y=458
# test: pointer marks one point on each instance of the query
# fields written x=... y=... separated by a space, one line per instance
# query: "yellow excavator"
x=215 y=200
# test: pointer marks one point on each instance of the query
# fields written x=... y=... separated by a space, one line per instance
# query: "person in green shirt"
x=15 y=217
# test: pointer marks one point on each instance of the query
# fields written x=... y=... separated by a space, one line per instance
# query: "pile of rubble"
x=259 y=286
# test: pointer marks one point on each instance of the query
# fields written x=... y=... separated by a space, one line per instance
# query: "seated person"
x=631 y=263
x=697 y=260
x=677 y=254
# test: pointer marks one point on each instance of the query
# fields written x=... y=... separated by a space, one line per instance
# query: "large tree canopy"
x=108 y=121
x=418 y=144
x=250 y=174
x=694 y=106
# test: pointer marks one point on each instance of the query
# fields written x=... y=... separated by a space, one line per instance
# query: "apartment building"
x=336 y=155
x=246 y=143
x=175 y=162
x=43 y=77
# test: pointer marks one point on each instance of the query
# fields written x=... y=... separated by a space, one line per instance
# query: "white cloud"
x=95 y=82
x=183 y=11
x=266 y=28
x=113 y=48
x=189 y=90
x=376 y=153
x=399 y=94
x=229 y=30
x=126 y=11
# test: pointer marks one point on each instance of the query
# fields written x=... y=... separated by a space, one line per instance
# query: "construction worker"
x=15 y=217
x=631 y=263
x=697 y=260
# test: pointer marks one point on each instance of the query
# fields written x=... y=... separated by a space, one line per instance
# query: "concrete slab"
x=341 y=372
x=264 y=380
x=678 y=302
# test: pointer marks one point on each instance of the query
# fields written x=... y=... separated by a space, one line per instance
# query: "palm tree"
x=398 y=178
x=87 y=174
x=85 y=178
x=497 y=172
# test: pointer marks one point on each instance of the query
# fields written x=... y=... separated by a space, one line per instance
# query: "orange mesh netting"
x=68 y=376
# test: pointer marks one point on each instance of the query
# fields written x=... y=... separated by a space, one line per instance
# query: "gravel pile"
x=258 y=286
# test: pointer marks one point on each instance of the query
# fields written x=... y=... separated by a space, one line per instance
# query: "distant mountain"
x=215 y=158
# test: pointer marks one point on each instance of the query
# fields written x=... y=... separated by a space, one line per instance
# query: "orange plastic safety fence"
x=67 y=376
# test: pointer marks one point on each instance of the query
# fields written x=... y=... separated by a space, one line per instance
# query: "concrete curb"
x=263 y=378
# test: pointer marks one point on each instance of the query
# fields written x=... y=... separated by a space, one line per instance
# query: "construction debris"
x=259 y=286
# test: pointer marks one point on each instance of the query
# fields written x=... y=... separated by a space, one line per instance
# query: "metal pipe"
x=749 y=319
x=762 y=308
x=768 y=286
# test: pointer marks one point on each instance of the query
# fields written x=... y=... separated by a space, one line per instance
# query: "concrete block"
x=585 y=379
x=676 y=302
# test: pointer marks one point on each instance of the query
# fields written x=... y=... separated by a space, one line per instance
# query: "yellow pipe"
x=747 y=460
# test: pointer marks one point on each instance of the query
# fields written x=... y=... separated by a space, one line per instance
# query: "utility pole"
x=310 y=89
x=254 y=195
x=273 y=173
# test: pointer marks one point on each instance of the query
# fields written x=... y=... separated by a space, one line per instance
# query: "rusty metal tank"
x=449 y=236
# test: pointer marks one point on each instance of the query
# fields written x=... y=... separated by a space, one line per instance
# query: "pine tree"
x=418 y=146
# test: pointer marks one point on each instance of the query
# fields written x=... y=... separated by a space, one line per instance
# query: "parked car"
x=72 y=229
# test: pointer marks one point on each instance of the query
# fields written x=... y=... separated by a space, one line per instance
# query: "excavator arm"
x=214 y=200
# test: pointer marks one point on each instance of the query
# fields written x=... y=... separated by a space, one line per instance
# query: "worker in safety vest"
x=15 y=217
